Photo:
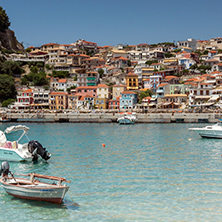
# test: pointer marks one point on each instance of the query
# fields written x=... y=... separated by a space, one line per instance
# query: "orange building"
x=132 y=81
x=58 y=100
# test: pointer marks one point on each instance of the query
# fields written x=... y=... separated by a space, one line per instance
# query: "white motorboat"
x=214 y=131
x=32 y=188
x=15 y=151
x=127 y=119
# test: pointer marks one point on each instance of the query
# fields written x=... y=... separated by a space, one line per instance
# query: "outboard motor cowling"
x=4 y=169
x=36 y=148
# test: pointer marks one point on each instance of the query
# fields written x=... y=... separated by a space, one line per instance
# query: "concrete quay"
x=112 y=117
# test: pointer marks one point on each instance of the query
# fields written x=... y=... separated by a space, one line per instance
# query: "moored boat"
x=15 y=151
x=32 y=188
x=127 y=119
x=214 y=131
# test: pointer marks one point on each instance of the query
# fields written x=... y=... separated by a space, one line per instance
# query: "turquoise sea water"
x=145 y=172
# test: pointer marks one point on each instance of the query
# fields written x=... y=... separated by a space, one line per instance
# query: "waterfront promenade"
x=174 y=117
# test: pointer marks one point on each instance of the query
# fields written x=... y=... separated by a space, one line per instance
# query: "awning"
x=207 y=104
x=152 y=99
x=202 y=97
x=166 y=104
x=214 y=98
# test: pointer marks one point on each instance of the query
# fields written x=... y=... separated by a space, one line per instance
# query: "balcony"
x=91 y=78
x=91 y=84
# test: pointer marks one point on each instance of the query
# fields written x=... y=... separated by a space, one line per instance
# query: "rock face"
x=9 y=41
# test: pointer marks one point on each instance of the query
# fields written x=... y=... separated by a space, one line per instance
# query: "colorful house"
x=58 y=100
x=128 y=100
x=132 y=81
x=114 y=103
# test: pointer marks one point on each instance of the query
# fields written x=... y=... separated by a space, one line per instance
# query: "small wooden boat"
x=32 y=188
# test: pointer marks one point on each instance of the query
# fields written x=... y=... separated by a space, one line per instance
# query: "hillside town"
x=184 y=75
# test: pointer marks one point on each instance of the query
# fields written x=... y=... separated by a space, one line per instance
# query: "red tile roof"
x=58 y=93
x=162 y=84
x=103 y=86
x=128 y=92
x=28 y=91
x=62 y=80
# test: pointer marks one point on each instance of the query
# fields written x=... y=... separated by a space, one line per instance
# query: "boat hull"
x=11 y=155
x=126 y=121
x=210 y=134
x=41 y=192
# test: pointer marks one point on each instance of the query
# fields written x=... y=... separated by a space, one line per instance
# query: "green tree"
x=7 y=102
x=60 y=74
x=101 y=72
x=72 y=87
x=11 y=68
x=177 y=50
x=28 y=50
x=7 y=88
x=4 y=20
x=194 y=66
x=128 y=63
x=34 y=69
x=142 y=95
x=149 y=62
x=168 y=55
x=185 y=71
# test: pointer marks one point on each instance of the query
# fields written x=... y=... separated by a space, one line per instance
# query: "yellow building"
x=58 y=100
x=101 y=103
x=132 y=81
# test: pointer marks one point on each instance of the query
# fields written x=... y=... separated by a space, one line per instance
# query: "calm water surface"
x=145 y=172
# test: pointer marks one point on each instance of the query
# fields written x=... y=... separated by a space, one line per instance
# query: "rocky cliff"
x=9 y=41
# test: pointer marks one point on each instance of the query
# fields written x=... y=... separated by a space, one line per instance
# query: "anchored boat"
x=15 y=151
x=127 y=119
x=214 y=131
x=32 y=188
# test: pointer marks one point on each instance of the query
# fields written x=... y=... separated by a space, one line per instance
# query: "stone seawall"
x=112 y=117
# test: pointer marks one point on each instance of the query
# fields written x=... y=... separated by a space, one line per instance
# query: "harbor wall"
x=112 y=117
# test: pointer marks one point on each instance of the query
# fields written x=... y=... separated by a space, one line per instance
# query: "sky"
x=113 y=22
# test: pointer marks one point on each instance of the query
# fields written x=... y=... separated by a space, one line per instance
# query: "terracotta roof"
x=162 y=84
x=128 y=92
x=48 y=44
x=87 y=87
x=89 y=42
x=170 y=77
x=215 y=72
x=62 y=80
x=28 y=91
x=58 y=93
x=88 y=96
x=120 y=85
x=148 y=97
x=102 y=86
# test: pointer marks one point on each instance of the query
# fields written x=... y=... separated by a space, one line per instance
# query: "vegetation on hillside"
x=142 y=95
x=7 y=87
x=4 y=20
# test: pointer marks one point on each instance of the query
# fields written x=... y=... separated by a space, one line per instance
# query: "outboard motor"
x=4 y=169
x=36 y=148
